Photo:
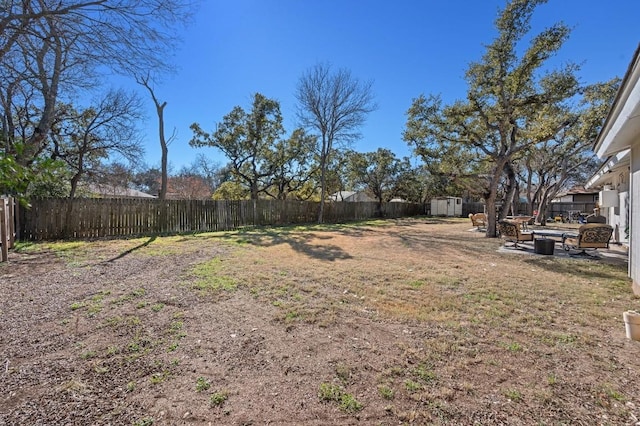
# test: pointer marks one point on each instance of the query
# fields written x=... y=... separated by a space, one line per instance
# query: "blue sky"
x=235 y=48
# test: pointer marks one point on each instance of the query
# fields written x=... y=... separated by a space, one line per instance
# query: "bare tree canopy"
x=117 y=32
x=333 y=105
x=50 y=47
x=82 y=139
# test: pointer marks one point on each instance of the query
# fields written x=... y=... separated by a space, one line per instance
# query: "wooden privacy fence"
x=7 y=226
x=49 y=219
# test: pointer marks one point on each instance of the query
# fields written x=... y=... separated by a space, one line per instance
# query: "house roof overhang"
x=622 y=125
x=604 y=175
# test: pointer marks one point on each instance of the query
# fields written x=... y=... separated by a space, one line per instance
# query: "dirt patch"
x=415 y=321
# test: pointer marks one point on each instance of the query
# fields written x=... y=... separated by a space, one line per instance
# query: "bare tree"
x=189 y=186
x=335 y=105
x=47 y=43
x=83 y=139
x=164 y=143
x=18 y=16
x=214 y=173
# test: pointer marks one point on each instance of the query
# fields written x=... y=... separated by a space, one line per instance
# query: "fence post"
x=12 y=222
x=4 y=225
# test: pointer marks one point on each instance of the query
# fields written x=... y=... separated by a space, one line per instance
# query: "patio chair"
x=510 y=232
x=478 y=220
x=591 y=236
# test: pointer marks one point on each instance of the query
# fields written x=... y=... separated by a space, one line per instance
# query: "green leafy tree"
x=412 y=184
x=45 y=178
x=147 y=179
x=231 y=190
x=51 y=179
x=567 y=160
x=512 y=104
x=293 y=165
x=306 y=192
x=14 y=178
x=252 y=141
x=447 y=168
x=336 y=177
x=379 y=172
x=246 y=138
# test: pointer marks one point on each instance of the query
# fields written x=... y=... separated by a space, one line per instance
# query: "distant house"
x=350 y=196
x=577 y=194
x=618 y=144
x=115 y=191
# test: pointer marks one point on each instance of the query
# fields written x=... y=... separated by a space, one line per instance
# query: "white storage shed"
x=446 y=206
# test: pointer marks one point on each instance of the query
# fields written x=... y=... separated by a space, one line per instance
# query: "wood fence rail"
x=51 y=219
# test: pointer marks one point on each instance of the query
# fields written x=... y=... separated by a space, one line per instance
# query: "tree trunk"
x=490 y=198
x=164 y=145
x=512 y=190
x=323 y=190
x=49 y=88
x=164 y=148
x=164 y=179
x=323 y=177
x=541 y=217
x=74 y=185
x=490 y=203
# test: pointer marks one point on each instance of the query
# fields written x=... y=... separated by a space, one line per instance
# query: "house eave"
x=604 y=175
x=623 y=121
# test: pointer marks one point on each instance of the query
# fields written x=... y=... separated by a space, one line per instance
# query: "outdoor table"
x=552 y=233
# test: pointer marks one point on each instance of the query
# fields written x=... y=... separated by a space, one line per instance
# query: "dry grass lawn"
x=417 y=321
